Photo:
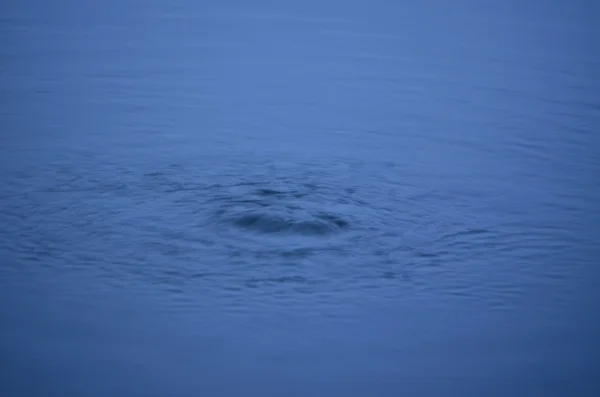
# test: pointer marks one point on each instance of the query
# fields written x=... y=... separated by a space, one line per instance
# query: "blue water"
x=267 y=198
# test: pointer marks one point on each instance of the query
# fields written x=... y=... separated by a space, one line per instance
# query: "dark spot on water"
x=297 y=253
x=269 y=210
x=257 y=282
x=336 y=220
x=284 y=279
x=250 y=202
x=234 y=254
x=462 y=234
x=269 y=192
x=260 y=222
x=422 y=254
x=271 y=223
x=248 y=183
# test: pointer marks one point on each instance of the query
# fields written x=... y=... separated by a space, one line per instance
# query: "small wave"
x=286 y=208
x=271 y=223
x=332 y=218
x=269 y=192
x=463 y=234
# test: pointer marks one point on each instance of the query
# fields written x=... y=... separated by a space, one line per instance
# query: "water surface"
x=311 y=199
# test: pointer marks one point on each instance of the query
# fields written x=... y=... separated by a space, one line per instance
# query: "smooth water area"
x=268 y=198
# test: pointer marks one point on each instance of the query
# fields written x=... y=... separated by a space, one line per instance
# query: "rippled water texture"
x=309 y=199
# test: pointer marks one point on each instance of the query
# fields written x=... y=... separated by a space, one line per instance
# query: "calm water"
x=310 y=199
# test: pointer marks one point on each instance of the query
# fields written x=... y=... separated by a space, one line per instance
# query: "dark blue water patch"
x=297 y=253
x=264 y=222
x=269 y=192
x=334 y=219
x=265 y=192
x=273 y=281
x=284 y=209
